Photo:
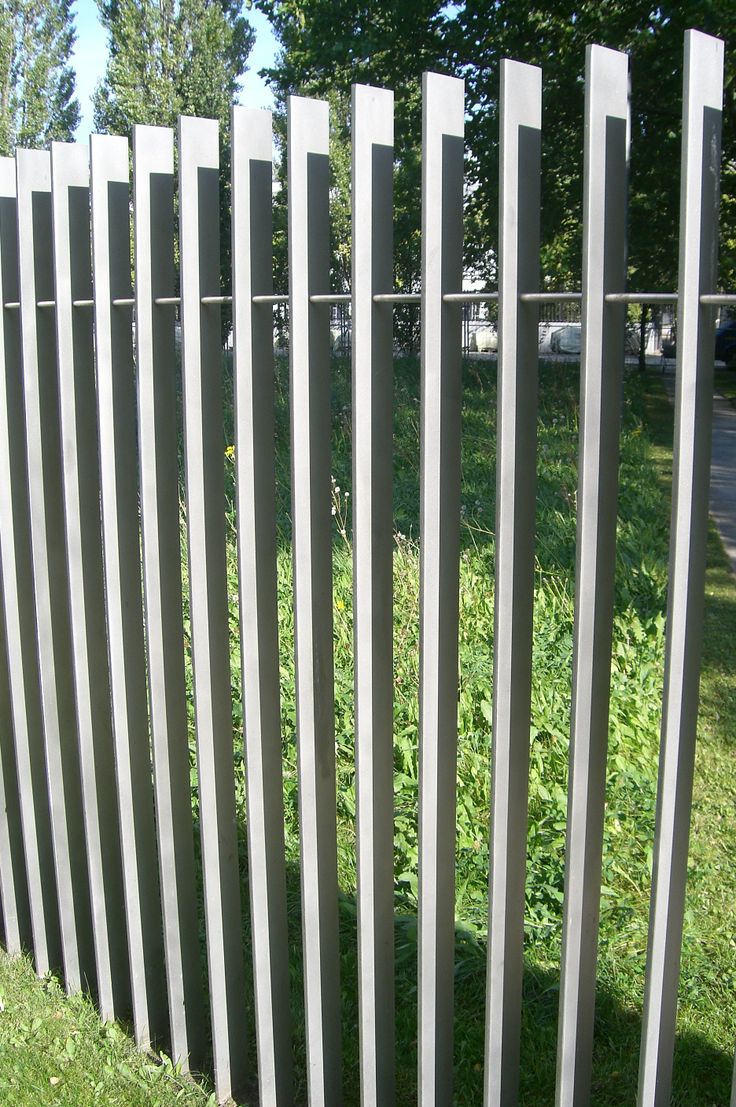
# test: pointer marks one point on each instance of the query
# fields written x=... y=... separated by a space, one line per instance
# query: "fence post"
x=601 y=374
x=208 y=600
x=153 y=183
x=699 y=198
x=309 y=354
x=119 y=487
x=252 y=250
x=372 y=272
x=37 y=601
x=18 y=649
x=516 y=449
x=48 y=554
x=81 y=483
x=16 y=918
x=442 y=236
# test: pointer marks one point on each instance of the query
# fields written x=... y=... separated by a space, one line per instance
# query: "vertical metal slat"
x=442 y=207
x=116 y=417
x=604 y=270
x=153 y=181
x=309 y=353
x=699 y=198
x=43 y=458
x=16 y=917
x=520 y=152
x=80 y=469
x=252 y=250
x=202 y=374
x=13 y=878
x=41 y=668
x=372 y=272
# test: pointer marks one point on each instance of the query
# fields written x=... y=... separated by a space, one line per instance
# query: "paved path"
x=723 y=469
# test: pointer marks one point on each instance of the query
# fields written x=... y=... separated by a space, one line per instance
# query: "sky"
x=90 y=56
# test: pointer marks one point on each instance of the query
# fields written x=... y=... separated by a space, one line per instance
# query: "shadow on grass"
x=720 y=599
x=702 y=1073
x=720 y=620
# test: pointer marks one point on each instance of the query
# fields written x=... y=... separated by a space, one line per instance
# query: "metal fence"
x=560 y=330
x=92 y=677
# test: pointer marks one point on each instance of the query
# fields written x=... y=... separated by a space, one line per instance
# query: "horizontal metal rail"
x=720 y=299
x=469 y=297
x=641 y=298
x=550 y=297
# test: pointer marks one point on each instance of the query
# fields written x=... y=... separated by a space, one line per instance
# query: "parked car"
x=632 y=340
x=669 y=346
x=726 y=342
x=566 y=340
x=340 y=339
x=484 y=340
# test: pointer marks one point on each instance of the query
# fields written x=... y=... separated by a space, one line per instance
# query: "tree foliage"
x=328 y=44
x=174 y=57
x=327 y=47
x=554 y=35
x=169 y=58
x=37 y=102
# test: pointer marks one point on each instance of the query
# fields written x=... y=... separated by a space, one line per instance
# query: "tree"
x=37 y=102
x=554 y=35
x=327 y=45
x=325 y=48
x=175 y=57
x=170 y=58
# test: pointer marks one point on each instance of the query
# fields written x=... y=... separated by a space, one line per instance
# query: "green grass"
x=707 y=1015
x=707 y=1025
x=55 y=1050
x=725 y=382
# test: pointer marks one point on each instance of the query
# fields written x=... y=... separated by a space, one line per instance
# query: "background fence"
x=92 y=672
x=479 y=330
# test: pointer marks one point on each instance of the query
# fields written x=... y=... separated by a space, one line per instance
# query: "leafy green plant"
x=707 y=1014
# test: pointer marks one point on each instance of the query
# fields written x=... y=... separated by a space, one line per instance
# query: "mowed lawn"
x=707 y=1015
x=725 y=383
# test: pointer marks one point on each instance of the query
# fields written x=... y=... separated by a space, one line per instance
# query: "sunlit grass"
x=55 y=1050
x=707 y=1014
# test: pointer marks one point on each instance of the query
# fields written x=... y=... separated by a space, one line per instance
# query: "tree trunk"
x=643 y=338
